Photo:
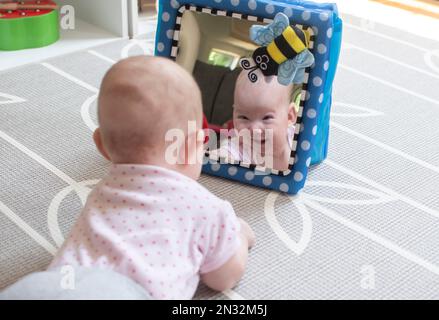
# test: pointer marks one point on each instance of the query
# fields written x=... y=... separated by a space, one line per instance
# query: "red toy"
x=11 y=10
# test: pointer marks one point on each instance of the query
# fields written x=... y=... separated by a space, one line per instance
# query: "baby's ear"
x=292 y=113
x=99 y=144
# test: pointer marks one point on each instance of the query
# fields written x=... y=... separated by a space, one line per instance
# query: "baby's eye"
x=270 y=117
x=242 y=118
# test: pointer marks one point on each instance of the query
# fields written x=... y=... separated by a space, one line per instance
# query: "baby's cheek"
x=280 y=135
x=272 y=130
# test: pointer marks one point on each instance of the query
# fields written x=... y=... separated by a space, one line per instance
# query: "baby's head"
x=262 y=105
x=140 y=100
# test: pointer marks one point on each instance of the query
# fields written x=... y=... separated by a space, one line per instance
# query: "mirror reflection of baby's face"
x=264 y=105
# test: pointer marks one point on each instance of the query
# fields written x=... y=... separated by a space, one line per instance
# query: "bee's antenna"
x=246 y=65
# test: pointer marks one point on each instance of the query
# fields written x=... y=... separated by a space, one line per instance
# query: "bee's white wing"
x=279 y=24
x=263 y=35
x=293 y=70
x=287 y=72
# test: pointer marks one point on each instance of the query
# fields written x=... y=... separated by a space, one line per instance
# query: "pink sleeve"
x=221 y=239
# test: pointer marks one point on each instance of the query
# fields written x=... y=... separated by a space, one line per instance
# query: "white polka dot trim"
x=284 y=187
x=311 y=113
x=267 y=181
x=306 y=15
x=321 y=48
x=175 y=4
x=249 y=175
x=232 y=171
x=315 y=30
x=317 y=81
x=323 y=16
x=234 y=2
x=305 y=145
x=298 y=176
x=288 y=12
x=215 y=167
x=165 y=16
x=329 y=33
x=252 y=5
x=269 y=8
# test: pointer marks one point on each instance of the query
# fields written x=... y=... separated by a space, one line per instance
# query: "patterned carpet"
x=366 y=226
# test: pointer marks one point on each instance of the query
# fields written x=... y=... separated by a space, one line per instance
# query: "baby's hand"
x=248 y=233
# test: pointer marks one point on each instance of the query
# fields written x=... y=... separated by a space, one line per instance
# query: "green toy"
x=29 y=26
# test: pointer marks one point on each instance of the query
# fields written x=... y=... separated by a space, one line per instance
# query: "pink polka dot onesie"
x=156 y=226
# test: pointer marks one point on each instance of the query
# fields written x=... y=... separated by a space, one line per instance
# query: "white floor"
x=84 y=36
x=411 y=22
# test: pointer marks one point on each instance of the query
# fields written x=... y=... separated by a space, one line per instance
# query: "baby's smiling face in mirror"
x=265 y=105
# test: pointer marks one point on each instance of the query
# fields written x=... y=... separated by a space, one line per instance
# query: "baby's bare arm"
x=228 y=275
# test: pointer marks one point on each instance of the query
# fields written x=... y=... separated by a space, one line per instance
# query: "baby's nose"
x=256 y=126
x=257 y=130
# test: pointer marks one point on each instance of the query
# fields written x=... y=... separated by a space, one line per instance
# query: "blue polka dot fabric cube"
x=313 y=118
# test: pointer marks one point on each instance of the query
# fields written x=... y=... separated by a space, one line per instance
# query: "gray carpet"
x=366 y=226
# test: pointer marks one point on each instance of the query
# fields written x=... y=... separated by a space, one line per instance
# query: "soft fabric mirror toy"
x=283 y=52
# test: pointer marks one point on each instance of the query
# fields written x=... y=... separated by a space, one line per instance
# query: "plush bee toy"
x=283 y=52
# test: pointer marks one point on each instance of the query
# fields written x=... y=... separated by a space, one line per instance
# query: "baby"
x=148 y=218
x=264 y=110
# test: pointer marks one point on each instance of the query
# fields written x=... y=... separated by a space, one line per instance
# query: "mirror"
x=253 y=124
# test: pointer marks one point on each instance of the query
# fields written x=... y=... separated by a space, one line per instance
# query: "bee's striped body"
x=283 y=51
x=286 y=46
